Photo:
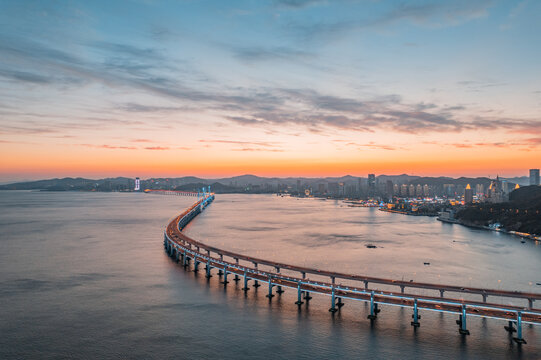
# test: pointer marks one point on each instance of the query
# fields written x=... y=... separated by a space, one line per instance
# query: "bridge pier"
x=307 y=296
x=519 y=339
x=415 y=323
x=256 y=283
x=208 y=268
x=225 y=282
x=441 y=293
x=245 y=288
x=509 y=328
x=373 y=314
x=195 y=264
x=333 y=308
x=463 y=330
x=485 y=298
x=279 y=290
x=339 y=304
x=185 y=260
x=530 y=303
x=299 y=295
x=236 y=278
x=270 y=295
x=402 y=287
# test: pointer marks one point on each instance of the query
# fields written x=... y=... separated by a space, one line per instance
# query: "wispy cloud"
x=431 y=14
x=157 y=148
x=110 y=147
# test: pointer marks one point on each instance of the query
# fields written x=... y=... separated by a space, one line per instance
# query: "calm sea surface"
x=84 y=275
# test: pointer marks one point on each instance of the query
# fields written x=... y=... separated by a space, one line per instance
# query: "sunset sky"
x=273 y=88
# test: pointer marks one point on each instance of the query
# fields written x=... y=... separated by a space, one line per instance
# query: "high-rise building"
x=371 y=184
x=480 y=190
x=468 y=194
x=411 y=192
x=534 y=176
x=389 y=189
x=404 y=190
x=137 y=184
x=298 y=185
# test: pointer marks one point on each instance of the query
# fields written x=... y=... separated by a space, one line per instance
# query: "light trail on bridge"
x=181 y=247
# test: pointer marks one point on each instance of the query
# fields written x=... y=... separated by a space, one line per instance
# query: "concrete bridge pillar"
x=519 y=339
x=256 y=283
x=333 y=308
x=442 y=292
x=245 y=288
x=225 y=282
x=463 y=328
x=415 y=323
x=299 y=295
x=208 y=268
x=236 y=278
x=509 y=328
x=530 y=303
x=195 y=264
x=373 y=314
x=279 y=290
x=402 y=287
x=270 y=295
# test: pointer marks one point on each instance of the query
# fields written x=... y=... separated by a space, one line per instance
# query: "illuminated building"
x=495 y=192
x=137 y=185
x=468 y=194
x=404 y=190
x=480 y=190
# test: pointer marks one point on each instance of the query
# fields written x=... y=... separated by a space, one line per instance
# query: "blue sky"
x=268 y=82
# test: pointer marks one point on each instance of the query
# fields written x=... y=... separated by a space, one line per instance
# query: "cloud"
x=157 y=148
x=297 y=4
x=110 y=147
x=25 y=76
x=261 y=107
x=247 y=145
x=257 y=54
x=139 y=108
x=436 y=14
x=236 y=142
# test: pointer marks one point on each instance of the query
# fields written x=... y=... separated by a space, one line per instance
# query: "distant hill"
x=68 y=183
x=522 y=212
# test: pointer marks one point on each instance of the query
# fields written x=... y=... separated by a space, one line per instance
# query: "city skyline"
x=276 y=88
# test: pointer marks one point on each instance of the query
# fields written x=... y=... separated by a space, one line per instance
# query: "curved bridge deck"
x=279 y=275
